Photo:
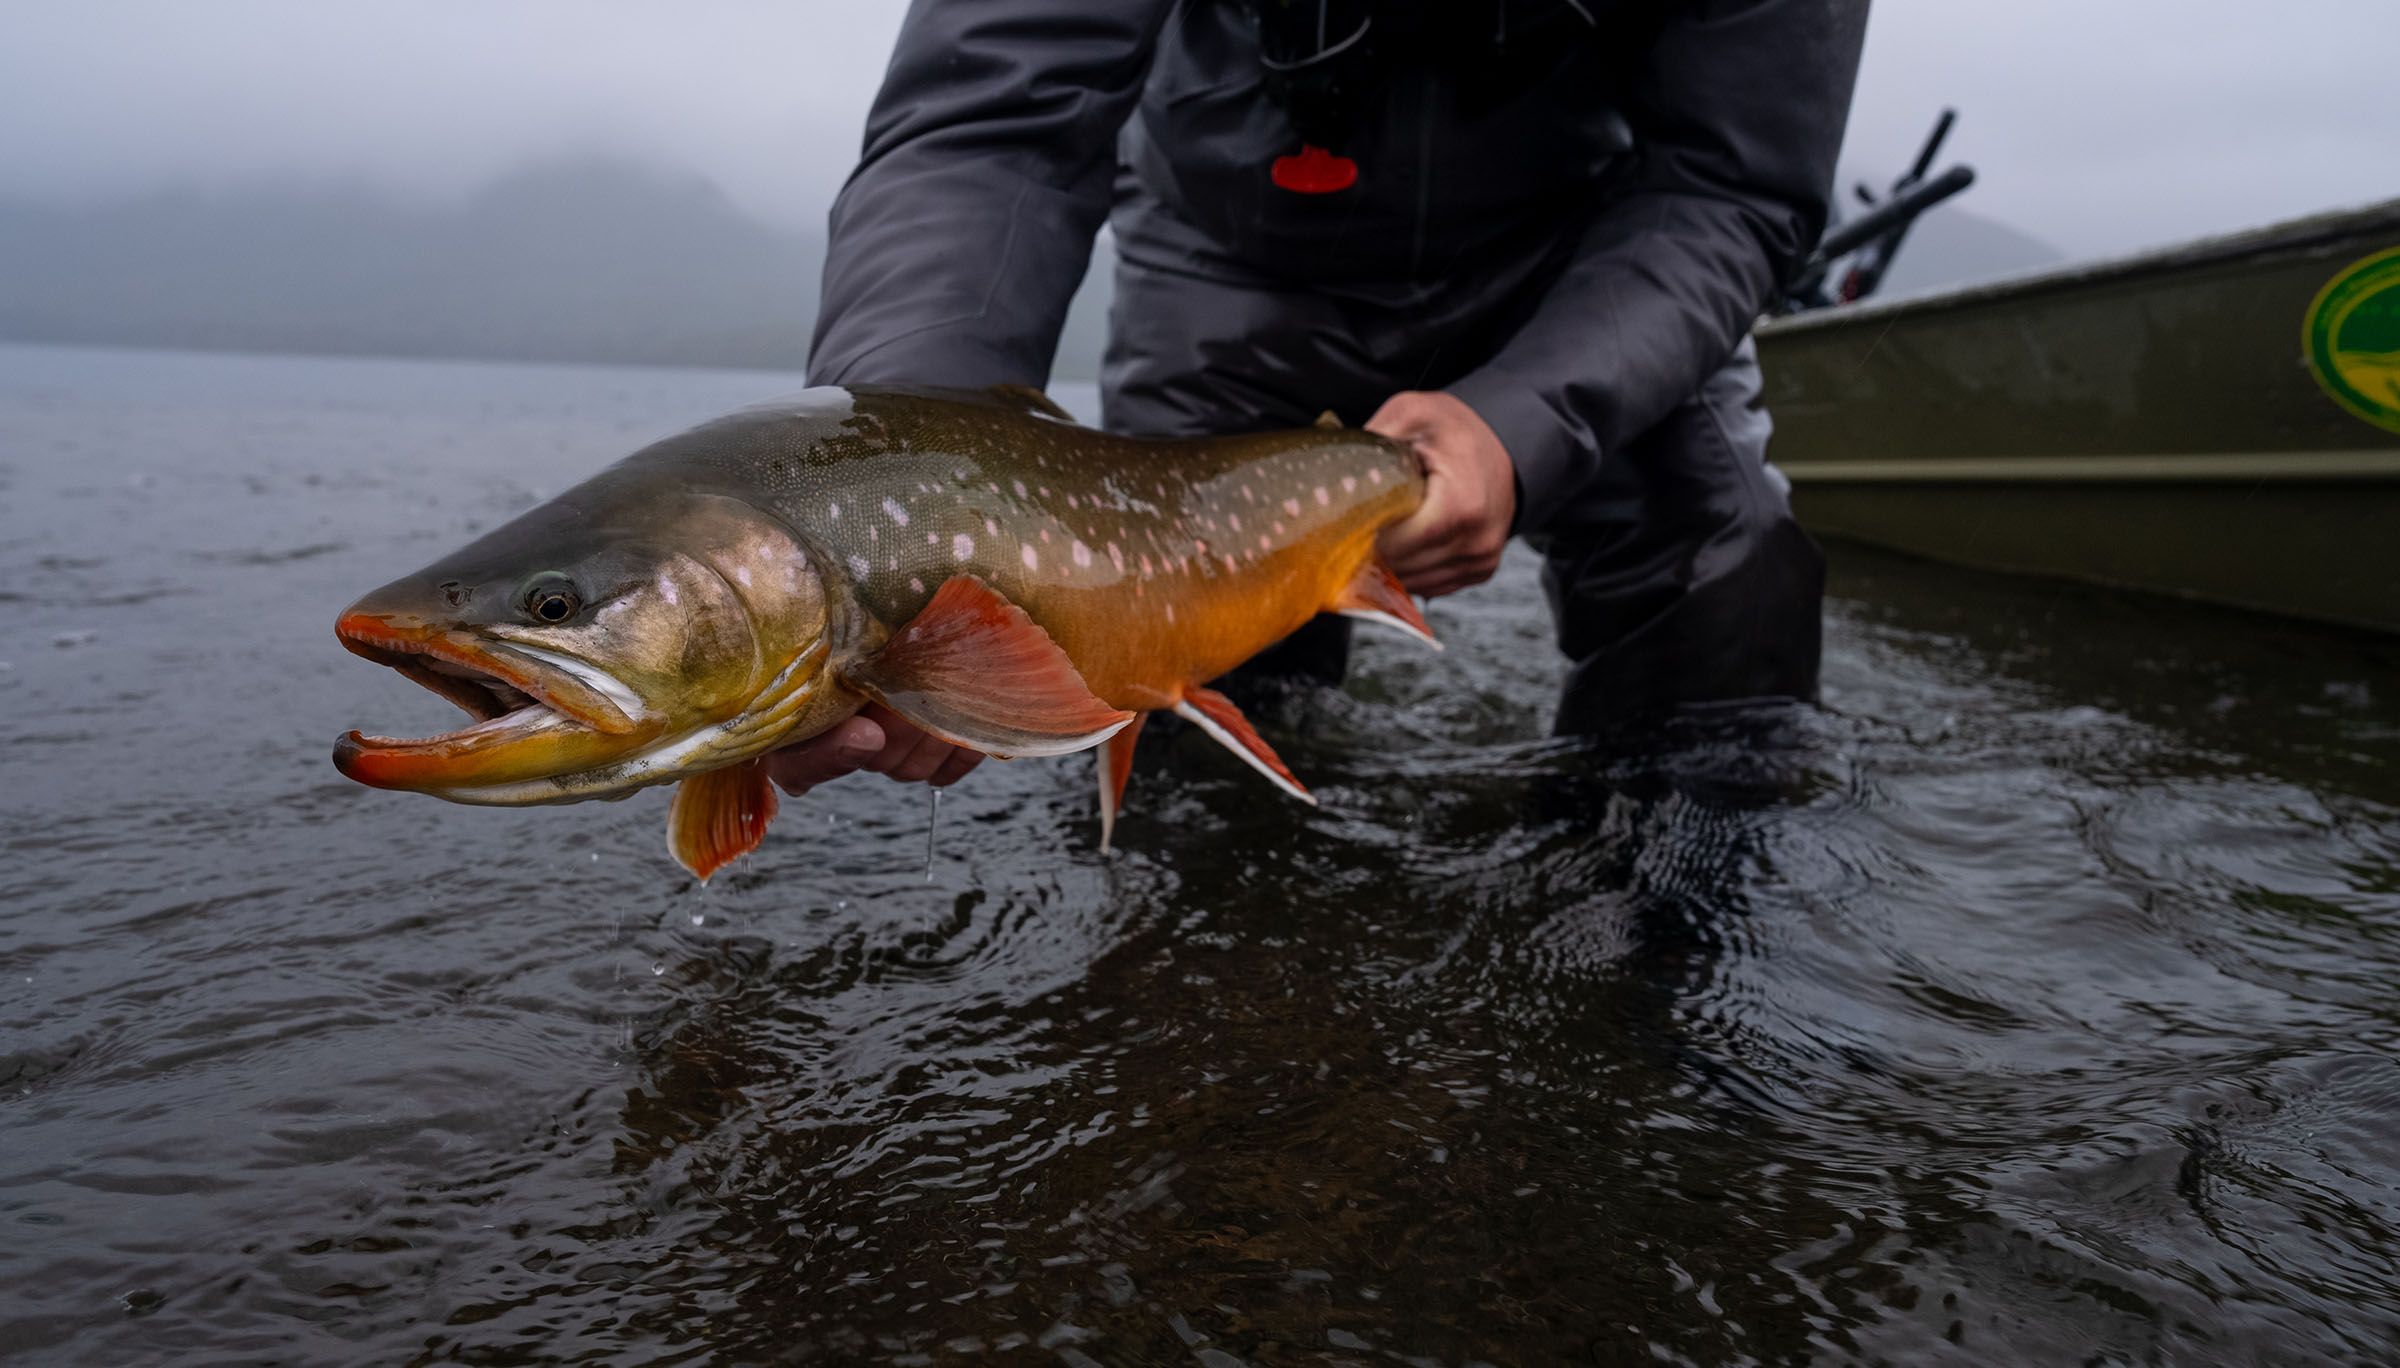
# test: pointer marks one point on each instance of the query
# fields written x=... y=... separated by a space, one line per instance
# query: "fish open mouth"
x=522 y=699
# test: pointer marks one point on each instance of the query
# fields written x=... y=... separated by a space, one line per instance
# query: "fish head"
x=603 y=641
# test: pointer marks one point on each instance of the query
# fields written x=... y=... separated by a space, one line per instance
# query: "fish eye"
x=550 y=598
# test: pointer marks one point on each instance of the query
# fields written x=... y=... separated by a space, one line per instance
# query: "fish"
x=974 y=560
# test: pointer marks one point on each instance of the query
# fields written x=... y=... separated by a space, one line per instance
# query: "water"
x=2033 y=1001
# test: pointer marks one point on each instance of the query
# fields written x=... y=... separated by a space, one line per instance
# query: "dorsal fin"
x=975 y=671
x=1328 y=419
x=1031 y=399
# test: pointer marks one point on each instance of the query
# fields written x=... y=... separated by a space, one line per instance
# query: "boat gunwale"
x=2290 y=235
x=2365 y=465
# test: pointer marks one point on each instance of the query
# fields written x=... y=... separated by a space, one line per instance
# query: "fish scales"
x=1153 y=562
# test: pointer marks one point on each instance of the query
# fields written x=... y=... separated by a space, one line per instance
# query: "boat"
x=2218 y=420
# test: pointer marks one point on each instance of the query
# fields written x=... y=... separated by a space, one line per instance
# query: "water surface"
x=2031 y=1001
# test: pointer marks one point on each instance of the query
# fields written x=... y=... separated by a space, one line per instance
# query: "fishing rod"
x=1871 y=240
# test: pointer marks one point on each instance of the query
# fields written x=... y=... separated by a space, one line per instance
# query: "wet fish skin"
x=991 y=570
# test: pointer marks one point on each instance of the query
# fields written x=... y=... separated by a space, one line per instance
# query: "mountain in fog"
x=571 y=263
x=606 y=262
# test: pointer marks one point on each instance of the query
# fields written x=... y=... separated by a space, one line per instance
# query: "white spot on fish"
x=1292 y=507
x=1019 y=486
x=1323 y=498
x=859 y=567
x=1083 y=556
x=991 y=527
x=961 y=546
x=1230 y=565
x=1032 y=558
x=1349 y=484
x=1116 y=557
x=915 y=585
x=835 y=510
x=1263 y=543
x=893 y=510
x=1170 y=612
x=1145 y=567
x=1045 y=536
x=1234 y=520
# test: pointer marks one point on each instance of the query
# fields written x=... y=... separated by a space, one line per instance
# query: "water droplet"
x=658 y=971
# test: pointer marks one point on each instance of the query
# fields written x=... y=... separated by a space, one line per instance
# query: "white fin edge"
x=1108 y=801
x=1378 y=615
x=1224 y=738
x=1064 y=745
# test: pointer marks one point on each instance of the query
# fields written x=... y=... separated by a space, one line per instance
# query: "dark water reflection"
x=2030 y=1002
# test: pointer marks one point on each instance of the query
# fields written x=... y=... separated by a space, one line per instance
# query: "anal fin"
x=1115 y=764
x=1215 y=714
x=1374 y=594
x=974 y=670
x=720 y=815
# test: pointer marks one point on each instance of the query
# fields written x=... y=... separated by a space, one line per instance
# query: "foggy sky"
x=2099 y=125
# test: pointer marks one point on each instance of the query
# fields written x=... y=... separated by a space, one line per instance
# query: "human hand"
x=1454 y=538
x=875 y=738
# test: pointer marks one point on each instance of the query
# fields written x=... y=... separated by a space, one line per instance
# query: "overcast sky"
x=2098 y=125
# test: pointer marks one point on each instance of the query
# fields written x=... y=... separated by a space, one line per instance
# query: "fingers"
x=1451 y=577
x=956 y=767
x=847 y=747
x=1455 y=537
x=914 y=759
x=1405 y=415
x=876 y=739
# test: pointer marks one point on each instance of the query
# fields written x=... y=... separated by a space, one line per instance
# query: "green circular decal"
x=2353 y=338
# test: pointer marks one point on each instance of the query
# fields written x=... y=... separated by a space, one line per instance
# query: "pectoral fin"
x=976 y=672
x=1215 y=714
x=1115 y=764
x=1375 y=595
x=720 y=815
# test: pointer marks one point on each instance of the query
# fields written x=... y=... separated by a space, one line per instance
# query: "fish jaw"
x=538 y=716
